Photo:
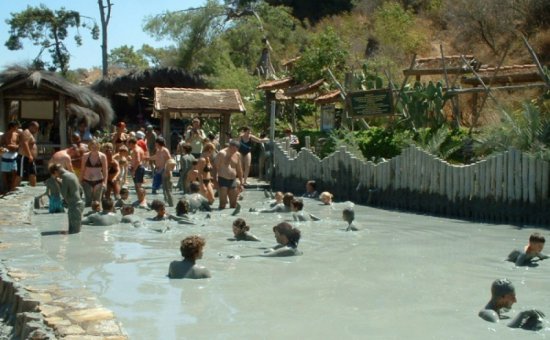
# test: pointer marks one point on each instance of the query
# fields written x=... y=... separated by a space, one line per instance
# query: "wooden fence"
x=511 y=187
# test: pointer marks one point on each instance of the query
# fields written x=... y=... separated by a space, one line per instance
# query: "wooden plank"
x=525 y=177
x=491 y=172
x=538 y=180
x=456 y=182
x=449 y=182
x=442 y=169
x=545 y=180
x=510 y=194
x=482 y=178
x=517 y=175
x=398 y=172
x=532 y=176
x=498 y=177
x=467 y=182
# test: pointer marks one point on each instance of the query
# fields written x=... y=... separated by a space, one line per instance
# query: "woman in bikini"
x=205 y=168
x=245 y=146
x=94 y=173
x=120 y=137
x=113 y=171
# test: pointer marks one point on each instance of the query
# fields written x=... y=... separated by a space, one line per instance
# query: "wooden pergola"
x=185 y=103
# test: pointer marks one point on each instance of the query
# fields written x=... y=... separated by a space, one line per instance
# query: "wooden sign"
x=327 y=117
x=371 y=102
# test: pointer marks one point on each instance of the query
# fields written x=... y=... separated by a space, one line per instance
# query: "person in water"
x=191 y=249
x=240 y=231
x=106 y=217
x=326 y=198
x=298 y=213
x=124 y=198
x=503 y=296
x=281 y=207
x=160 y=207
x=128 y=216
x=71 y=192
x=311 y=190
x=348 y=215
x=287 y=238
x=532 y=251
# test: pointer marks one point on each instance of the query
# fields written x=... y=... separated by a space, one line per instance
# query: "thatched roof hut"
x=180 y=103
x=43 y=90
x=133 y=94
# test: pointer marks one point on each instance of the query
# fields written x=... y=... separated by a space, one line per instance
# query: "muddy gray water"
x=402 y=276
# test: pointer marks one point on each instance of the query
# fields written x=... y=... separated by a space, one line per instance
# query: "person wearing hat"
x=229 y=167
x=503 y=296
x=140 y=141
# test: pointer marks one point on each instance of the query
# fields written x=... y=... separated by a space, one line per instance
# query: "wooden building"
x=185 y=103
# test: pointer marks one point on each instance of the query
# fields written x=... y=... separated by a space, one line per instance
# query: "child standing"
x=53 y=190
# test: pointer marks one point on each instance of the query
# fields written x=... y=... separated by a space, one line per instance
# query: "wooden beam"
x=434 y=71
x=504 y=79
x=498 y=88
x=63 y=121
x=3 y=114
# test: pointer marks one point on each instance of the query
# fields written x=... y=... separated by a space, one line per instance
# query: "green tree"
x=325 y=50
x=125 y=56
x=393 y=27
x=47 y=29
x=191 y=30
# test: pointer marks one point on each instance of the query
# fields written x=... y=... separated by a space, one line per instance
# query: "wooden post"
x=165 y=121
x=3 y=114
x=293 y=110
x=308 y=142
x=272 y=120
x=225 y=129
x=62 y=121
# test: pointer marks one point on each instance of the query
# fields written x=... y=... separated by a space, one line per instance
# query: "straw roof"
x=185 y=102
x=18 y=83
x=150 y=78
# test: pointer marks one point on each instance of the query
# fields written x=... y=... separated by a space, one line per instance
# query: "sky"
x=125 y=28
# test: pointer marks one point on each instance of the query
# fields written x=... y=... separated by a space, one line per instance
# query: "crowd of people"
x=98 y=175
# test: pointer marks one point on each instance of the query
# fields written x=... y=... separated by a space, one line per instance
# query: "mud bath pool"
x=402 y=276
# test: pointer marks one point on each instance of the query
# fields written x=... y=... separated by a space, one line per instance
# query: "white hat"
x=140 y=135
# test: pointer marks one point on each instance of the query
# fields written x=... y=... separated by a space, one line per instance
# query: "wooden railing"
x=508 y=187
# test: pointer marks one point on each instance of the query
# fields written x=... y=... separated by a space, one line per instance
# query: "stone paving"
x=38 y=298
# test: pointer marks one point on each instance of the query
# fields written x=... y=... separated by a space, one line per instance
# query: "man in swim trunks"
x=104 y=218
x=229 y=167
x=26 y=166
x=136 y=167
x=162 y=155
x=503 y=296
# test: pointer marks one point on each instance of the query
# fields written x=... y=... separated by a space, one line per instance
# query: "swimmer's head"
x=159 y=207
x=286 y=234
x=279 y=196
x=503 y=293
x=348 y=215
x=536 y=243
x=182 y=207
x=240 y=227
x=326 y=197
x=127 y=210
x=191 y=247
x=287 y=199
x=124 y=193
x=297 y=204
